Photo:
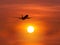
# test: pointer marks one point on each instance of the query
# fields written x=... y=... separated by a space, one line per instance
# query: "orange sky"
x=45 y=16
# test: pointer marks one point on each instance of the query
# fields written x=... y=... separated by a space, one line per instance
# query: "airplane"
x=24 y=17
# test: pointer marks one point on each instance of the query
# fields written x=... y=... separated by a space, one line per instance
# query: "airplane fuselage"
x=25 y=17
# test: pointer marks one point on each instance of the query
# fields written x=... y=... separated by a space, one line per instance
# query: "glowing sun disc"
x=30 y=29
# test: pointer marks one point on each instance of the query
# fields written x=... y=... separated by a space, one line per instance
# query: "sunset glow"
x=29 y=22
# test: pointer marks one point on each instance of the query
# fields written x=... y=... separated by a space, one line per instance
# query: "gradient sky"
x=44 y=13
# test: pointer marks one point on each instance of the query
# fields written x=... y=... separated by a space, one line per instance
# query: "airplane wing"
x=28 y=17
x=17 y=17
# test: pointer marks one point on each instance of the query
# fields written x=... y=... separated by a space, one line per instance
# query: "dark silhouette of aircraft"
x=24 y=17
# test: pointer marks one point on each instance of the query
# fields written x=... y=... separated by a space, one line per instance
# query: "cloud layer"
x=47 y=11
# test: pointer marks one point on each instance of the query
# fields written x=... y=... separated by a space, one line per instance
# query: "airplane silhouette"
x=24 y=17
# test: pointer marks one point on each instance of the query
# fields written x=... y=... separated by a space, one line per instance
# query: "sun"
x=30 y=29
